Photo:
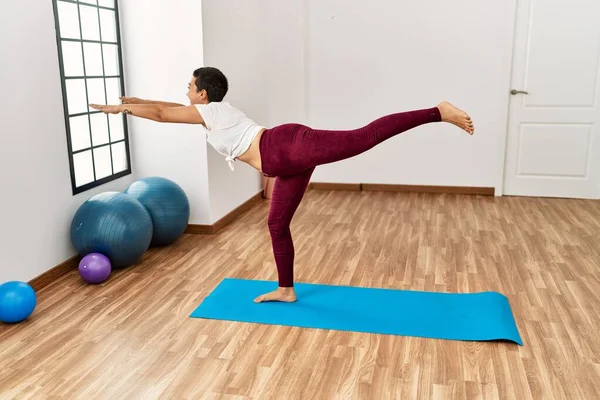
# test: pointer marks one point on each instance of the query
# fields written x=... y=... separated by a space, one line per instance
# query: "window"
x=91 y=67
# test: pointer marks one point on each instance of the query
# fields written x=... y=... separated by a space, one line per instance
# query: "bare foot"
x=286 y=295
x=456 y=117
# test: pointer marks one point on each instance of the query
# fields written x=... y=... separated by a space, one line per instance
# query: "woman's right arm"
x=135 y=100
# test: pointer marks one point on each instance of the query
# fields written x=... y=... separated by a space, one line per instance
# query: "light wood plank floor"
x=131 y=338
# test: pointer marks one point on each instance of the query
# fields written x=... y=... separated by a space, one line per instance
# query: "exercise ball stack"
x=114 y=230
x=112 y=224
x=17 y=301
x=167 y=204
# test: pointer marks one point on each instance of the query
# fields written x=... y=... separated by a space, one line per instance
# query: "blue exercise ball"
x=17 y=301
x=167 y=204
x=114 y=224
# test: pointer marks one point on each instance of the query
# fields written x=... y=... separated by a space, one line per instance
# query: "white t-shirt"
x=229 y=131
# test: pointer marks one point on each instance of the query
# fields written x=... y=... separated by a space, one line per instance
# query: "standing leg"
x=288 y=191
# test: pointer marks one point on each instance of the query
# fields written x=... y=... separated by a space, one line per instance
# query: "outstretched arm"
x=136 y=100
x=155 y=112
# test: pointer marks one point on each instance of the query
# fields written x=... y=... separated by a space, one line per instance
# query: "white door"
x=553 y=143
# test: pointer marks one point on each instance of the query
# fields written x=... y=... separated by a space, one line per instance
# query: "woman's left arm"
x=155 y=112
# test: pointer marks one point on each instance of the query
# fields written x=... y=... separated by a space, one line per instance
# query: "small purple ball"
x=95 y=268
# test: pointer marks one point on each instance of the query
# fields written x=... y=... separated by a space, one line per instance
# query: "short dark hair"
x=213 y=81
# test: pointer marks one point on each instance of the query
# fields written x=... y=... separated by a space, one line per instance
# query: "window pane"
x=113 y=90
x=111 y=59
x=89 y=23
x=102 y=162
x=108 y=21
x=107 y=3
x=95 y=89
x=68 y=19
x=76 y=96
x=116 y=127
x=80 y=132
x=93 y=59
x=72 y=58
x=99 y=129
x=84 y=168
x=88 y=38
x=119 y=157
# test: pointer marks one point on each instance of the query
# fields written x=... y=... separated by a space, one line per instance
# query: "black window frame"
x=96 y=182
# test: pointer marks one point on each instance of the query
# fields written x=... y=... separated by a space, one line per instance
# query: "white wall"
x=162 y=44
x=285 y=63
x=366 y=60
x=36 y=201
x=336 y=64
x=234 y=41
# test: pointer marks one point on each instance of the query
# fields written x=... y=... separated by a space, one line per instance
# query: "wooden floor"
x=131 y=338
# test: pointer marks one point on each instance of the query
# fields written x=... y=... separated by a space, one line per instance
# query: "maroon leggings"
x=291 y=152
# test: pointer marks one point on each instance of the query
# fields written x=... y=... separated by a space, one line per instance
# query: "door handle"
x=514 y=91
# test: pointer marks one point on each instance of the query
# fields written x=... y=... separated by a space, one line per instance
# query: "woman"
x=289 y=152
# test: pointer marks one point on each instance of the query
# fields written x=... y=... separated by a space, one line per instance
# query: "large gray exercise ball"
x=167 y=204
x=113 y=224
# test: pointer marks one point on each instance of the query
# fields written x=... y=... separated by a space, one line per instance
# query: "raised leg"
x=288 y=192
x=291 y=148
x=327 y=146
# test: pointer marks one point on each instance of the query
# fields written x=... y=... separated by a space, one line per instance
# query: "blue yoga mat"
x=475 y=317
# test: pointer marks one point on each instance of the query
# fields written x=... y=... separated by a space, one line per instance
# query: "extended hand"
x=107 y=109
